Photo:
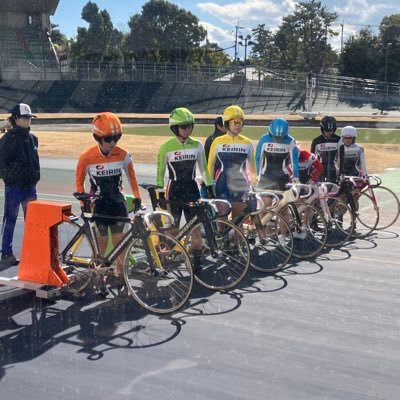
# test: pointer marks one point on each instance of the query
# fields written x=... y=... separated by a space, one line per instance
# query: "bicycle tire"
x=367 y=215
x=163 y=288
x=340 y=224
x=388 y=205
x=225 y=268
x=76 y=262
x=272 y=251
x=309 y=234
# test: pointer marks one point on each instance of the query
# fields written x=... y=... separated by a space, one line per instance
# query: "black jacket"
x=19 y=158
x=210 y=139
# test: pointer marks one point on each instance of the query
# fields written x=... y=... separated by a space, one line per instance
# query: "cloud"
x=253 y=12
x=217 y=34
x=364 y=12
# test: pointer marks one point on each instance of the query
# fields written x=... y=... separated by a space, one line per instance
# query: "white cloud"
x=363 y=11
x=251 y=12
x=217 y=34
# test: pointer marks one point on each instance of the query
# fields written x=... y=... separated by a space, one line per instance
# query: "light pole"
x=388 y=45
x=247 y=42
x=385 y=89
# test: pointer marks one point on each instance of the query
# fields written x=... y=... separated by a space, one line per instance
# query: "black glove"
x=162 y=201
x=209 y=192
x=137 y=204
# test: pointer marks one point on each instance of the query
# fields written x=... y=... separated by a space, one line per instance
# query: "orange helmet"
x=106 y=124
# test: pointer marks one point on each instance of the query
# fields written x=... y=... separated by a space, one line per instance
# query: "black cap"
x=218 y=121
x=22 y=110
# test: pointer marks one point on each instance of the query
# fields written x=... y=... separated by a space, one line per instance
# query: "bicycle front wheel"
x=367 y=215
x=270 y=241
x=388 y=204
x=308 y=228
x=340 y=222
x=75 y=253
x=223 y=259
x=158 y=273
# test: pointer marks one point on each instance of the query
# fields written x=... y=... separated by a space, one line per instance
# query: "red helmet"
x=304 y=156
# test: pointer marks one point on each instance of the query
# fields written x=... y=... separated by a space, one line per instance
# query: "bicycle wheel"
x=271 y=246
x=77 y=259
x=340 y=223
x=309 y=229
x=388 y=204
x=161 y=279
x=223 y=265
x=367 y=215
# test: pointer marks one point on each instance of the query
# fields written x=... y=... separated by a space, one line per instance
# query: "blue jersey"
x=272 y=158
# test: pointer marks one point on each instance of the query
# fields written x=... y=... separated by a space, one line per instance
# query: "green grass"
x=367 y=135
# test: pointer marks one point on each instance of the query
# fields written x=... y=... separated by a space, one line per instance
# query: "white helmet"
x=349 y=131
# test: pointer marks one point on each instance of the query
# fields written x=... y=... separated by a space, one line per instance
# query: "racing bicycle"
x=157 y=271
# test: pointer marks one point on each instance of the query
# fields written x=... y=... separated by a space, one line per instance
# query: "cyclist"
x=180 y=155
x=325 y=147
x=104 y=163
x=310 y=168
x=275 y=151
x=350 y=159
x=231 y=161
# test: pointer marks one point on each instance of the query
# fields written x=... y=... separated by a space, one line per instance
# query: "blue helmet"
x=279 y=128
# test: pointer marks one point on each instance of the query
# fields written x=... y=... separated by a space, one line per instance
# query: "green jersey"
x=181 y=159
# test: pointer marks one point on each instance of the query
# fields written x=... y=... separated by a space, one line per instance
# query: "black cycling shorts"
x=182 y=192
x=110 y=209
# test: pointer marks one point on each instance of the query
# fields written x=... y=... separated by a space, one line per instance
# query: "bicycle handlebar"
x=147 y=217
x=297 y=187
x=329 y=188
x=377 y=179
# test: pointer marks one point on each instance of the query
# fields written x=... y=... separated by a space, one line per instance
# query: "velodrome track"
x=326 y=329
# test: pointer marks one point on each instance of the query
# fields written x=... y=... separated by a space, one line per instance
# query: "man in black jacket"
x=20 y=171
x=218 y=131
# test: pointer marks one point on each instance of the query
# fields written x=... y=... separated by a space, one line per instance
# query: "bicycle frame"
x=137 y=229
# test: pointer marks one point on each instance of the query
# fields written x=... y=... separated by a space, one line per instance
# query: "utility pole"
x=341 y=38
x=237 y=27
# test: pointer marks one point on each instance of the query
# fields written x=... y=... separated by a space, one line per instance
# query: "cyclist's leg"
x=108 y=226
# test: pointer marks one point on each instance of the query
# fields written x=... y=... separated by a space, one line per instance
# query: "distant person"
x=219 y=130
x=20 y=171
x=325 y=147
x=104 y=163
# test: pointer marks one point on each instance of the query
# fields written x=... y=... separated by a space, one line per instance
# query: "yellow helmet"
x=232 y=112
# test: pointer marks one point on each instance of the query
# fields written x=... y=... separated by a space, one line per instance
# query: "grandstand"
x=25 y=43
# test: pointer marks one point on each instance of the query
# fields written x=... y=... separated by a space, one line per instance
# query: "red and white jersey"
x=310 y=168
x=105 y=172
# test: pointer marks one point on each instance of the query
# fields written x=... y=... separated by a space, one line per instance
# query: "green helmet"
x=181 y=116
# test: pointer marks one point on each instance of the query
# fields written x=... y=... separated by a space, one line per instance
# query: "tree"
x=264 y=51
x=101 y=41
x=164 y=32
x=361 y=56
x=303 y=38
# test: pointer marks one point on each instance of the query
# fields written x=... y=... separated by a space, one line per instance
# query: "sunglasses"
x=187 y=126
x=112 y=138
x=237 y=121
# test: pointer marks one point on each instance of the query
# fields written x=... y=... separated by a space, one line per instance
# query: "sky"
x=221 y=17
